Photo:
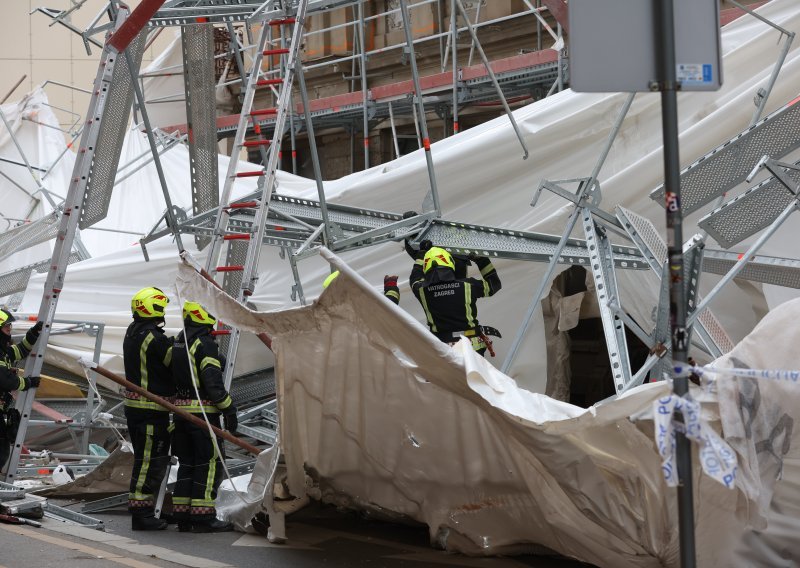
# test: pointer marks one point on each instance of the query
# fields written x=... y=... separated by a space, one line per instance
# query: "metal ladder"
x=239 y=278
x=126 y=28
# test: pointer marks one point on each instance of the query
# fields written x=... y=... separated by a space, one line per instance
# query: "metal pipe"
x=227 y=436
x=14 y=88
x=489 y=70
x=364 y=92
x=421 y=108
x=537 y=297
x=312 y=146
x=170 y=214
x=394 y=132
x=454 y=44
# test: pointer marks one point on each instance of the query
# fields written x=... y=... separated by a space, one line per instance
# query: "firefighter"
x=450 y=301
x=11 y=381
x=198 y=366
x=390 y=289
x=147 y=352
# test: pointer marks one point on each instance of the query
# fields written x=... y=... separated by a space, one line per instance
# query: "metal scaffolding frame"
x=301 y=227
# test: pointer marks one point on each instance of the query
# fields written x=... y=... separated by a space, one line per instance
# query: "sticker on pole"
x=695 y=73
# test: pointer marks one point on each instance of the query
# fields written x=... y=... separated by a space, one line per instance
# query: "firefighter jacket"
x=10 y=353
x=147 y=352
x=196 y=362
x=450 y=303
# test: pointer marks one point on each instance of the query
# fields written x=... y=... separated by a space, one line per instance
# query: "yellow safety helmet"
x=193 y=311
x=6 y=317
x=149 y=302
x=331 y=277
x=436 y=257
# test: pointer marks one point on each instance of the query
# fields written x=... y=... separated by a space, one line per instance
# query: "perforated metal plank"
x=201 y=118
x=750 y=212
x=254 y=387
x=605 y=280
x=493 y=242
x=188 y=12
x=767 y=269
x=727 y=165
x=24 y=236
x=113 y=126
x=17 y=280
x=654 y=249
x=348 y=218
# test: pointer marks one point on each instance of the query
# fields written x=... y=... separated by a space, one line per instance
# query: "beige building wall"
x=31 y=47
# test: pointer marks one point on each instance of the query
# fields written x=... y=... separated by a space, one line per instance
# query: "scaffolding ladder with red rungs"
x=239 y=271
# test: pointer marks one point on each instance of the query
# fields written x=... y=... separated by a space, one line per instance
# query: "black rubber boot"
x=147 y=524
x=184 y=526
x=212 y=526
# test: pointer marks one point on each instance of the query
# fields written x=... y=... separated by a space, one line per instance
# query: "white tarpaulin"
x=482 y=179
x=382 y=416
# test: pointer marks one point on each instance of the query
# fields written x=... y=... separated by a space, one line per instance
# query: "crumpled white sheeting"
x=385 y=417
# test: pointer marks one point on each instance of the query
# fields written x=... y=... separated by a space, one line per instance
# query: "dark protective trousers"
x=150 y=436
x=199 y=471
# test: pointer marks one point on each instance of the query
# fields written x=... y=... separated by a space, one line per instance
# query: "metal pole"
x=364 y=93
x=173 y=223
x=537 y=297
x=312 y=145
x=426 y=142
x=14 y=88
x=489 y=70
x=560 y=64
x=87 y=420
x=394 y=132
x=665 y=48
x=454 y=43
x=773 y=77
x=472 y=45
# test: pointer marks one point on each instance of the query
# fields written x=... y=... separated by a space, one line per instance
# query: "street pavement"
x=318 y=536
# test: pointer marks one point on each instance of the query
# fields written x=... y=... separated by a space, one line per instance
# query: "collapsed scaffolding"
x=301 y=227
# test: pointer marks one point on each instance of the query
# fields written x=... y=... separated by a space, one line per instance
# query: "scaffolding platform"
x=516 y=75
x=726 y=166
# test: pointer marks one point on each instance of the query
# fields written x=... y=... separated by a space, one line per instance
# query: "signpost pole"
x=668 y=85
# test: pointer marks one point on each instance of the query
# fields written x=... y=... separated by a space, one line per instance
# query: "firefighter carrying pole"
x=171 y=407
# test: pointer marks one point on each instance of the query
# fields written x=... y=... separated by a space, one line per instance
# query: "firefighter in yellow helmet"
x=198 y=366
x=450 y=300
x=147 y=353
x=10 y=380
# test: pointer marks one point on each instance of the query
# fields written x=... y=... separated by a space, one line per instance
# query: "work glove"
x=474 y=257
x=231 y=421
x=31 y=382
x=389 y=282
x=33 y=333
x=409 y=214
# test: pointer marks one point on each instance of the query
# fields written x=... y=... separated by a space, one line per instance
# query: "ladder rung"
x=253 y=143
x=243 y=205
x=221 y=332
x=278 y=51
x=237 y=237
x=281 y=22
x=266 y=82
x=250 y=174
x=263 y=111
x=232 y=268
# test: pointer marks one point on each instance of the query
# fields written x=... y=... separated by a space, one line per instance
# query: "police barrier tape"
x=717 y=458
x=791 y=376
